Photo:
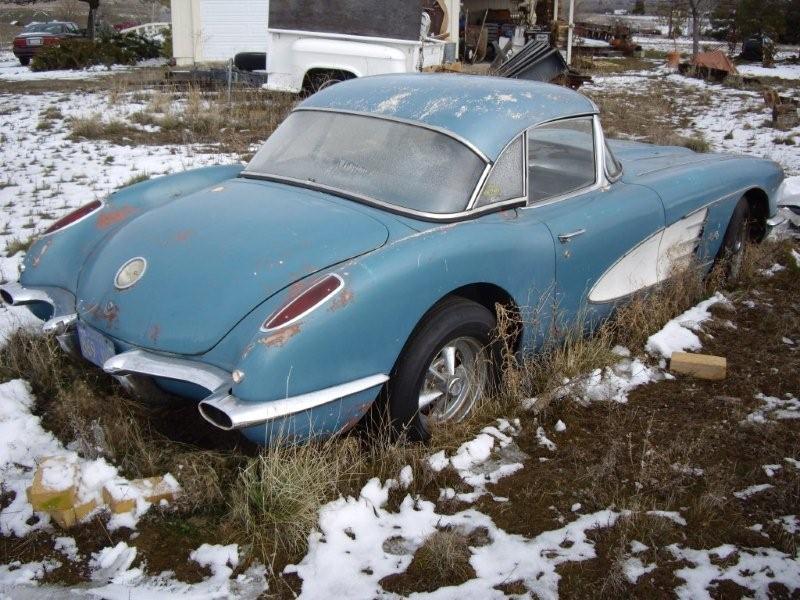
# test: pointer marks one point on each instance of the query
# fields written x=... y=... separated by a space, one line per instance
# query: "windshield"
x=44 y=28
x=396 y=163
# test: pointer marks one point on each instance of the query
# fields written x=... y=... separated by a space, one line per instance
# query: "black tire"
x=250 y=61
x=319 y=80
x=734 y=243
x=452 y=319
x=24 y=60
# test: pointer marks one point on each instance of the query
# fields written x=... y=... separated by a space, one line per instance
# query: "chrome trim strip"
x=233 y=413
x=393 y=208
x=140 y=362
x=308 y=310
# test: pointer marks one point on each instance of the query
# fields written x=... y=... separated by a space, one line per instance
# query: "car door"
x=606 y=233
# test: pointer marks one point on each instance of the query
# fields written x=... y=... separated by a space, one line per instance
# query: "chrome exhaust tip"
x=14 y=294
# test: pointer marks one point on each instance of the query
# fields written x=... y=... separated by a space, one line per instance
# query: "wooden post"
x=571 y=26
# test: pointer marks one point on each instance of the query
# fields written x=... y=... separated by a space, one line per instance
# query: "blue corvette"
x=362 y=252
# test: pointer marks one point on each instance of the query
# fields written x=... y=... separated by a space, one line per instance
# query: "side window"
x=506 y=180
x=560 y=158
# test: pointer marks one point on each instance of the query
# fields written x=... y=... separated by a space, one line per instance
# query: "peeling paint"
x=154 y=333
x=37 y=259
x=112 y=217
x=341 y=300
x=279 y=338
x=109 y=313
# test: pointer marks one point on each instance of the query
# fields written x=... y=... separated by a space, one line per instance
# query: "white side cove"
x=654 y=260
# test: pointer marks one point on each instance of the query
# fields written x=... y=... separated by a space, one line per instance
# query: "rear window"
x=44 y=28
x=393 y=162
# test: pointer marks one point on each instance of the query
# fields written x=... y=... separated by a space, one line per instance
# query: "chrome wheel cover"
x=455 y=380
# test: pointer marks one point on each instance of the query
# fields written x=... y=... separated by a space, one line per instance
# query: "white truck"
x=312 y=44
x=293 y=45
x=299 y=60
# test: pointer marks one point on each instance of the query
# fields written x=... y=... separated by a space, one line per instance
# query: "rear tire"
x=444 y=370
x=24 y=60
x=734 y=244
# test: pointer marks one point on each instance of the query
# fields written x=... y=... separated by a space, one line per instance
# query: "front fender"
x=56 y=259
x=362 y=330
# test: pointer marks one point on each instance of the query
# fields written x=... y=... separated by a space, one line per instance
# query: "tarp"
x=717 y=60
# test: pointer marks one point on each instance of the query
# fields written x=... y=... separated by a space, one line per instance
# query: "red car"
x=40 y=35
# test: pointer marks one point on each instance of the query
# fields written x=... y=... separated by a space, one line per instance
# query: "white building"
x=207 y=31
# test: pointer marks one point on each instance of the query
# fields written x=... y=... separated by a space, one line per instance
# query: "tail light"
x=19 y=42
x=50 y=41
x=74 y=216
x=306 y=302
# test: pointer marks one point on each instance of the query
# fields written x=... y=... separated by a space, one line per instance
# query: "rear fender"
x=363 y=328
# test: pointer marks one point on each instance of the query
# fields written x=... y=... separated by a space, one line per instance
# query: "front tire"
x=444 y=370
x=734 y=244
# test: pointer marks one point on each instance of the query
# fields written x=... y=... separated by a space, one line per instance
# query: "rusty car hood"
x=213 y=256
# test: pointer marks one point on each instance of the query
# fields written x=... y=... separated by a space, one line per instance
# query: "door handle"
x=566 y=237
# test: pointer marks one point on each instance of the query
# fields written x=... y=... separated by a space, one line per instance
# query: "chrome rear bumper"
x=228 y=412
x=136 y=369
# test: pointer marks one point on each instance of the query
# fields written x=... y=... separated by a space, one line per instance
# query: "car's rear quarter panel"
x=363 y=329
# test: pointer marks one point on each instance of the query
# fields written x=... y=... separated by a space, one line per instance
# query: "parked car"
x=36 y=36
x=362 y=252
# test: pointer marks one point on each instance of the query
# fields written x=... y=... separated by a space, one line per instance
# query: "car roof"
x=487 y=112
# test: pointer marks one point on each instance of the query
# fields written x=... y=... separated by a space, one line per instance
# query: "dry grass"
x=652 y=114
x=82 y=406
x=645 y=314
x=276 y=498
x=190 y=116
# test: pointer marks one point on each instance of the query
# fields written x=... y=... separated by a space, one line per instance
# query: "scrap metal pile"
x=539 y=61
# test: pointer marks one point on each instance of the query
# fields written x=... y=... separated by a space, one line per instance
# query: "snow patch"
x=679 y=335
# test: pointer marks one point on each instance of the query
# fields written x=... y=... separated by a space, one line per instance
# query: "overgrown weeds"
x=277 y=496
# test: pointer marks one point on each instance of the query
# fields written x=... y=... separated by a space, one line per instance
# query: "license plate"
x=34 y=41
x=95 y=347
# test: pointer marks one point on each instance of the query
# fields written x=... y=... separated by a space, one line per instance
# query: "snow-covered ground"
x=729 y=119
x=359 y=539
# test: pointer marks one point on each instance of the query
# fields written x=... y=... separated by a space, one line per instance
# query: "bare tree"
x=90 y=21
x=697 y=10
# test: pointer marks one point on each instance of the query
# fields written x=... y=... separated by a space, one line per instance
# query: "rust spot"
x=112 y=217
x=37 y=259
x=509 y=215
x=280 y=337
x=341 y=300
x=108 y=313
x=154 y=333
x=184 y=235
